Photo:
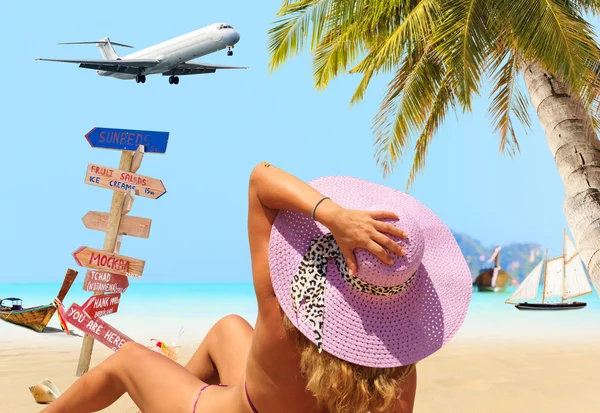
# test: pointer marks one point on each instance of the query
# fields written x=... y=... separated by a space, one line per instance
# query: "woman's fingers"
x=350 y=260
x=377 y=250
x=390 y=229
x=383 y=215
x=388 y=243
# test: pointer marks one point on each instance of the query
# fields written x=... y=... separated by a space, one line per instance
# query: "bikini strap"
x=248 y=397
x=202 y=391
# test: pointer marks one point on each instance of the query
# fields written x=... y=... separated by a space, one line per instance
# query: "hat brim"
x=368 y=330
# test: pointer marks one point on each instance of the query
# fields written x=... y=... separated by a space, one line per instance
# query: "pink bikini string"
x=224 y=385
x=202 y=390
x=249 y=401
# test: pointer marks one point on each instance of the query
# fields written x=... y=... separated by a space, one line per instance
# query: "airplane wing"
x=110 y=65
x=197 y=69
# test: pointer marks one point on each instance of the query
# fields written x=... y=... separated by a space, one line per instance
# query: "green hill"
x=515 y=258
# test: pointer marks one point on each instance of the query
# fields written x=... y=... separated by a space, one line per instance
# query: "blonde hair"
x=344 y=387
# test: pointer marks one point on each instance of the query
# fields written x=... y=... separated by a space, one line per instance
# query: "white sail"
x=529 y=287
x=554 y=280
x=576 y=282
x=569 y=249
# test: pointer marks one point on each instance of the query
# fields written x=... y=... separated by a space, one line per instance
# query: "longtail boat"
x=38 y=317
x=493 y=279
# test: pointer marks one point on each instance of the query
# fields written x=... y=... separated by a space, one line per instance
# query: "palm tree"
x=440 y=52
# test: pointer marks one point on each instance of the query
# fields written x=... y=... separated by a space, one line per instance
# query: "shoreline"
x=502 y=360
x=471 y=376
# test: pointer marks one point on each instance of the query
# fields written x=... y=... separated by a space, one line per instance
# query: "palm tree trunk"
x=576 y=151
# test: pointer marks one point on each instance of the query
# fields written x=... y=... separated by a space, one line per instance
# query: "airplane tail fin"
x=106 y=47
x=107 y=50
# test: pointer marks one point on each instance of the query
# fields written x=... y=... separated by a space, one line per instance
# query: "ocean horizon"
x=181 y=300
x=42 y=292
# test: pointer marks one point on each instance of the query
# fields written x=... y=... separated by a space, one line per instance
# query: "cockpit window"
x=225 y=26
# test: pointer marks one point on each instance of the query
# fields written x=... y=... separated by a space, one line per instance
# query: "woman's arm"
x=277 y=189
x=272 y=189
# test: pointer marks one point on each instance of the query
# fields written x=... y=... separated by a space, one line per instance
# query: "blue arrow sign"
x=128 y=140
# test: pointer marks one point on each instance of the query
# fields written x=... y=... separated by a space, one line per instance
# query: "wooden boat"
x=493 y=279
x=564 y=277
x=38 y=317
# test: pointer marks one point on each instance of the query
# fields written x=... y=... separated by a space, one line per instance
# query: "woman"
x=355 y=283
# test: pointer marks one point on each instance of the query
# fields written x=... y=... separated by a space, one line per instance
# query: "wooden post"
x=137 y=158
x=128 y=203
x=111 y=244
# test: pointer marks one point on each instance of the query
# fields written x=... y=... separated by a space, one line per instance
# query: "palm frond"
x=414 y=28
x=288 y=37
x=559 y=39
x=386 y=27
x=404 y=109
x=335 y=52
x=368 y=71
x=591 y=7
x=463 y=38
x=368 y=68
x=386 y=51
x=444 y=100
x=507 y=99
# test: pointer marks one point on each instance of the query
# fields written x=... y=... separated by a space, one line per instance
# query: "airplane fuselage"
x=170 y=53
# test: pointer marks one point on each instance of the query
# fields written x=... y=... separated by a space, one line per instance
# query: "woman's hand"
x=361 y=229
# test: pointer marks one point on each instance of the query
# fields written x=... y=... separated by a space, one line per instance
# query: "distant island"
x=516 y=258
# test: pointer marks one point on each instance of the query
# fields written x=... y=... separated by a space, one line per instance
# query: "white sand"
x=520 y=363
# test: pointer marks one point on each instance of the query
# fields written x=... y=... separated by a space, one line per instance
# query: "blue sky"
x=220 y=126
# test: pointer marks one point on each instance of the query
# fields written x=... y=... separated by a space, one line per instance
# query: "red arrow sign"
x=116 y=179
x=105 y=261
x=100 y=305
x=98 y=329
x=102 y=282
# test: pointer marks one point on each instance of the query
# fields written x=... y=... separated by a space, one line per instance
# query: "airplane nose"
x=234 y=37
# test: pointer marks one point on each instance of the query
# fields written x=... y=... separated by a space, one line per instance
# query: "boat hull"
x=551 y=307
x=489 y=289
x=35 y=318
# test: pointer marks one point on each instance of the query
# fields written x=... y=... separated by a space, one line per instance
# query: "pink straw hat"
x=382 y=316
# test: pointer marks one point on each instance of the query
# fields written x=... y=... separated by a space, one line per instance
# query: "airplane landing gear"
x=229 y=51
x=140 y=79
x=173 y=80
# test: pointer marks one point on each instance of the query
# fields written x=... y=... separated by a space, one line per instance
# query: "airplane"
x=171 y=58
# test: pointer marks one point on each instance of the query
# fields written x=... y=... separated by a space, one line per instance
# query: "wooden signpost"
x=124 y=181
x=105 y=261
x=100 y=305
x=132 y=226
x=128 y=202
x=96 y=328
x=128 y=140
x=108 y=271
x=101 y=282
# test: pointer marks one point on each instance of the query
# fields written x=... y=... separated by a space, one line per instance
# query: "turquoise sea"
x=198 y=304
x=206 y=294
x=142 y=298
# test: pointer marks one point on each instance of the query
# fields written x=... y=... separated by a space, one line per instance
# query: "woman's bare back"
x=273 y=371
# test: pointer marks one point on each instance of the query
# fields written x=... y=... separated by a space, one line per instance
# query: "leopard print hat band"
x=309 y=283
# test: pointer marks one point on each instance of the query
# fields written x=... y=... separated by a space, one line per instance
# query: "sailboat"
x=564 y=277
